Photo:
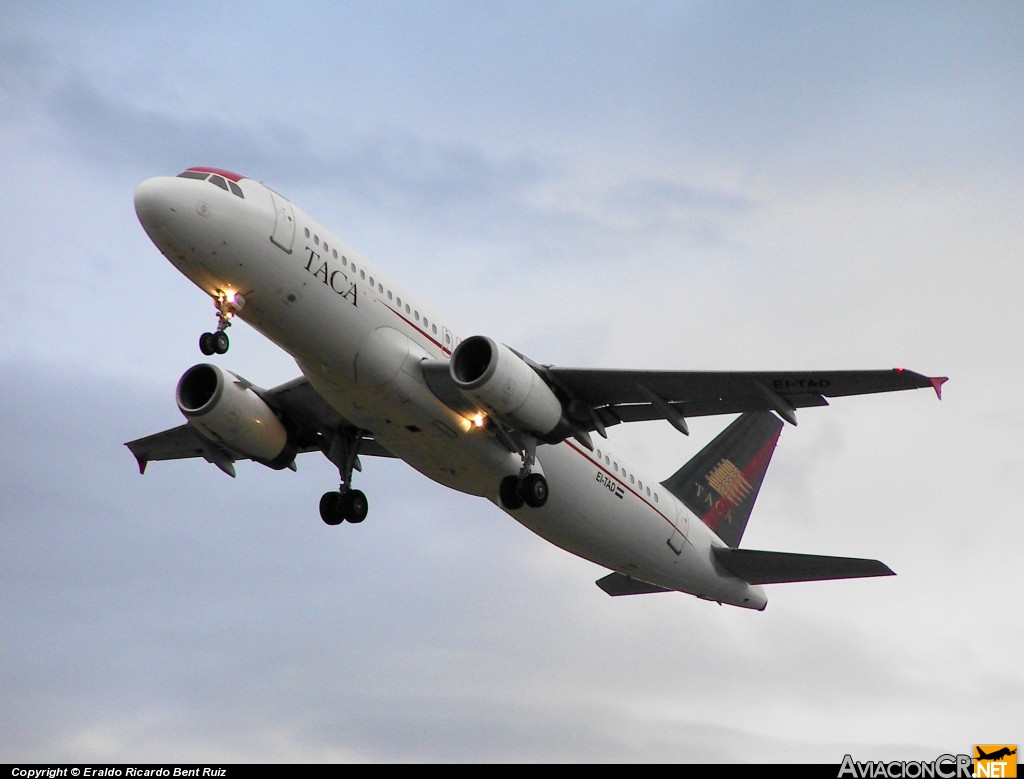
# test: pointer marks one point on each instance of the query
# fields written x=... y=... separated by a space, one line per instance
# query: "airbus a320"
x=383 y=373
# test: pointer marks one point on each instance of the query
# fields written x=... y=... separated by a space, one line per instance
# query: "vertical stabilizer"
x=720 y=484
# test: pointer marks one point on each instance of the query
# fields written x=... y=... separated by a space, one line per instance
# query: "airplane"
x=382 y=373
x=997 y=755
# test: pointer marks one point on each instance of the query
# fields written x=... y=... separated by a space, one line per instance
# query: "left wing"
x=313 y=425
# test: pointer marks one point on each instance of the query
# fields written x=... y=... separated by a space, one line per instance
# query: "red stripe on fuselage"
x=418 y=329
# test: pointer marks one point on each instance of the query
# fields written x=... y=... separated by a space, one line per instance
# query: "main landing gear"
x=227 y=305
x=531 y=490
x=336 y=507
x=346 y=504
x=528 y=487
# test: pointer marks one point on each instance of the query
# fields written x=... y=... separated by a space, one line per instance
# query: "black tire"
x=220 y=342
x=535 y=490
x=356 y=505
x=508 y=491
x=330 y=504
x=206 y=343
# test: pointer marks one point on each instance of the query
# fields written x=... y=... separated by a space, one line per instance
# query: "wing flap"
x=758 y=567
x=643 y=412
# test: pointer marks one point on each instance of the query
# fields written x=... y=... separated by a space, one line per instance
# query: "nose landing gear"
x=227 y=304
x=214 y=343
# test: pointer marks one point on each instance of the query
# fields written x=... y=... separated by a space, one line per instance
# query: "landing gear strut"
x=227 y=306
x=528 y=487
x=346 y=503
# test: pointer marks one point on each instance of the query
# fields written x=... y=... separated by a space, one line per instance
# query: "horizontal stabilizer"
x=756 y=567
x=619 y=584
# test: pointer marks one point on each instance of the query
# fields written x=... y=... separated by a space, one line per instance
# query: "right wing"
x=631 y=396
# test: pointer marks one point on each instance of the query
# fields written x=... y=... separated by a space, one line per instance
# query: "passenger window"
x=335 y=252
x=220 y=182
x=434 y=328
x=389 y=294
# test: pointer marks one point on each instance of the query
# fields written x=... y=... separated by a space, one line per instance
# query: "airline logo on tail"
x=995 y=760
x=727 y=480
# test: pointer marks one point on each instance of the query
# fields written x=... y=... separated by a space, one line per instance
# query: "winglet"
x=142 y=461
x=937 y=382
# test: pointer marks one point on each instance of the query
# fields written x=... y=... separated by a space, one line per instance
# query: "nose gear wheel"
x=217 y=342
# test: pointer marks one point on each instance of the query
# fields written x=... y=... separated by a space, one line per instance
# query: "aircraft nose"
x=153 y=204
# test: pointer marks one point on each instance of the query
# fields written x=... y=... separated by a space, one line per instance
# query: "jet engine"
x=497 y=379
x=223 y=407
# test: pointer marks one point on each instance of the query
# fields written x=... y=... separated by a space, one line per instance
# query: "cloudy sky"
x=687 y=185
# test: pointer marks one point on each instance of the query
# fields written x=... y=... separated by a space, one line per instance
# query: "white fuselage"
x=360 y=338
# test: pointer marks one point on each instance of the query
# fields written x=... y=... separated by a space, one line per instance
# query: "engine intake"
x=223 y=407
x=497 y=379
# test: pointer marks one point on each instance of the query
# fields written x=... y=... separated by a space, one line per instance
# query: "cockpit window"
x=225 y=181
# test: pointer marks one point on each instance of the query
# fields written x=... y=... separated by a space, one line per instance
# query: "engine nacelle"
x=223 y=407
x=502 y=383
